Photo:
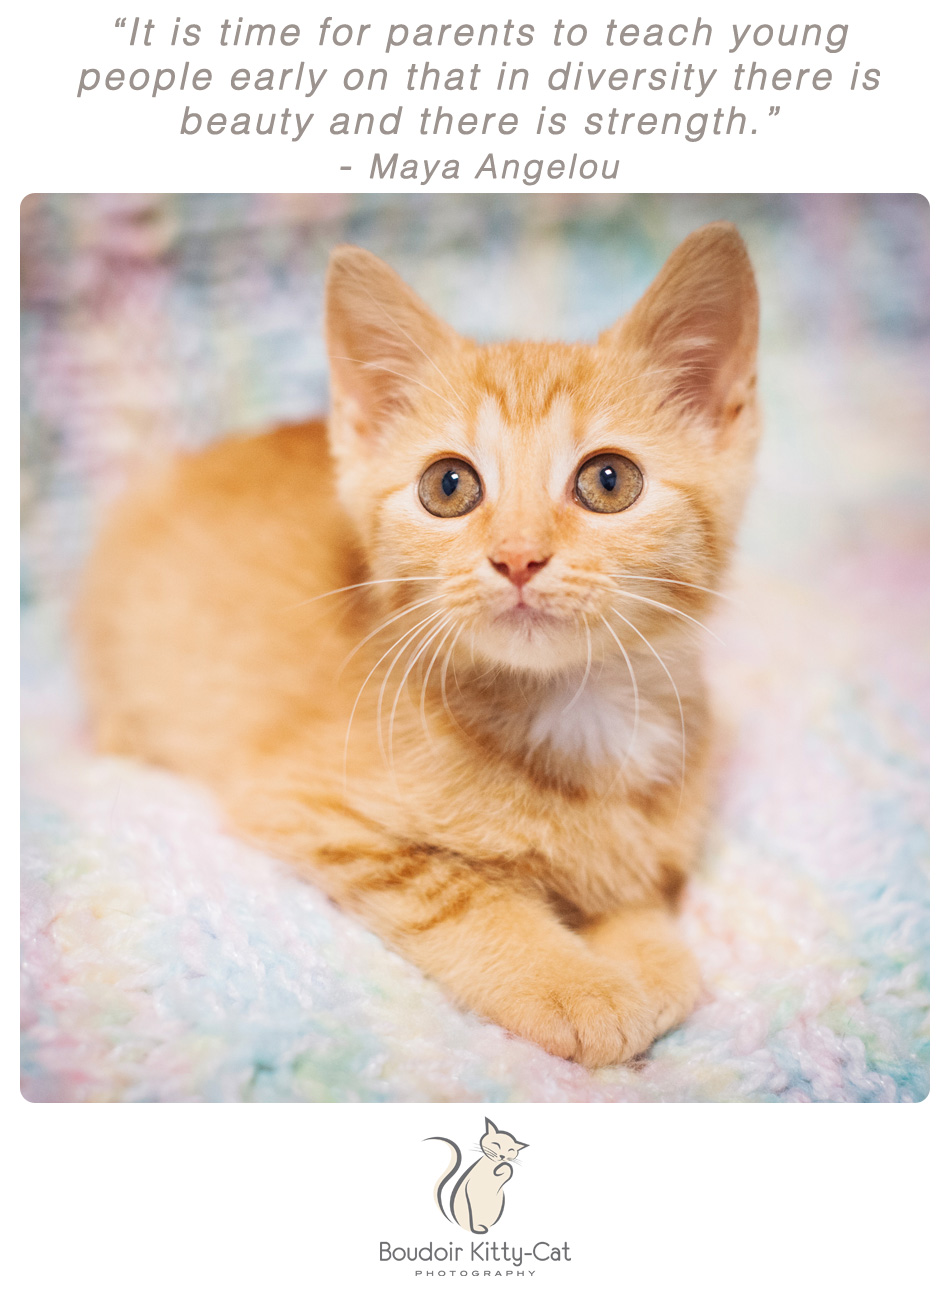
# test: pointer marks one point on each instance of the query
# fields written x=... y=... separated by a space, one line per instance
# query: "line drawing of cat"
x=477 y=1200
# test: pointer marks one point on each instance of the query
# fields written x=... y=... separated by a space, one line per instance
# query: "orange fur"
x=512 y=792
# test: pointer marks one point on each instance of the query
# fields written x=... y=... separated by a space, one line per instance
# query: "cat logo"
x=477 y=1200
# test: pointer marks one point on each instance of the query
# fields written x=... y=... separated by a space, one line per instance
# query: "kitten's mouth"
x=532 y=637
x=523 y=617
x=523 y=612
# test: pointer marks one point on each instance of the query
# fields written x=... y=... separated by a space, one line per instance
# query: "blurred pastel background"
x=165 y=961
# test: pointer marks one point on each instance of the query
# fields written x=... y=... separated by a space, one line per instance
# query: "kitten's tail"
x=453 y=1166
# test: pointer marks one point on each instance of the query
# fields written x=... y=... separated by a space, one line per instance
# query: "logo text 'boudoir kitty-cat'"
x=474 y=1199
x=477 y=1199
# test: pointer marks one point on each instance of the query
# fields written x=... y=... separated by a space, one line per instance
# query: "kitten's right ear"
x=384 y=345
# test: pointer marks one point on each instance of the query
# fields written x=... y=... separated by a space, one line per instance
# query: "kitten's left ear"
x=698 y=325
x=489 y=1127
x=384 y=345
x=521 y=1145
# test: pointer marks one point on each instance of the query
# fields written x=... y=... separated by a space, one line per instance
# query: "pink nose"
x=518 y=568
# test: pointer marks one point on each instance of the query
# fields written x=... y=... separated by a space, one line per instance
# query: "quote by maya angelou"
x=560 y=100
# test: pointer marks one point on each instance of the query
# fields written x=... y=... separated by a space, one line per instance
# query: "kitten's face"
x=537 y=490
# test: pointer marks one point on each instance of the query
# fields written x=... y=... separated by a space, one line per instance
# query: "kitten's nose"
x=517 y=566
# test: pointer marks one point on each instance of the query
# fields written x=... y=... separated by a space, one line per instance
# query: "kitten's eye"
x=450 y=487
x=608 y=483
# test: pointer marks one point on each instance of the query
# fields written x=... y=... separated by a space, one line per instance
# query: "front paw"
x=645 y=941
x=586 y=1011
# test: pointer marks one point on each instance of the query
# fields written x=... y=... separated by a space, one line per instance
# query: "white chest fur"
x=606 y=726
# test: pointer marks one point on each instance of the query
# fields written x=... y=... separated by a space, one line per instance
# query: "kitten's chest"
x=592 y=735
x=584 y=795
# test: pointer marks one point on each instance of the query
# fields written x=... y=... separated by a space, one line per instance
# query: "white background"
x=239 y=1196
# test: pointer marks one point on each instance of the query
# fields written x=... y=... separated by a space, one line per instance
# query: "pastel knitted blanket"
x=163 y=960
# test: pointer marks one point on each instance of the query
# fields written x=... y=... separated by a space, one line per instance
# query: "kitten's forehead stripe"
x=526 y=378
x=504 y=445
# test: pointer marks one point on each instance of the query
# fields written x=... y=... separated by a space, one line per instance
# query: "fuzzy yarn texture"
x=164 y=960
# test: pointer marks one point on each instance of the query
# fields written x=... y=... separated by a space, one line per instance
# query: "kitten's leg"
x=479 y=927
x=645 y=939
x=496 y=945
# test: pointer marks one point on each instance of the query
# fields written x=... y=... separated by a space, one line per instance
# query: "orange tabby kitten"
x=445 y=650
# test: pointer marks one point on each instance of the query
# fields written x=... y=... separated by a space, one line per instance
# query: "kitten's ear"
x=384 y=344
x=489 y=1127
x=699 y=322
x=521 y=1145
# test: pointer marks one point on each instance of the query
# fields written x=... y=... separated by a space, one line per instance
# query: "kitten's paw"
x=646 y=940
x=587 y=1012
x=674 y=996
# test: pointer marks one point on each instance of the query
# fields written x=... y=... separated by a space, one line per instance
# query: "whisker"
x=580 y=690
x=408 y=638
x=632 y=595
x=518 y=680
x=458 y=683
x=430 y=636
x=425 y=682
x=354 y=586
x=678 y=701
x=419 y=604
x=633 y=675
x=445 y=668
x=489 y=671
x=349 y=727
x=636 y=706
x=675 y=582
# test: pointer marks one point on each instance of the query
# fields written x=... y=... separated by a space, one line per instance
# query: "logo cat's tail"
x=454 y=1163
